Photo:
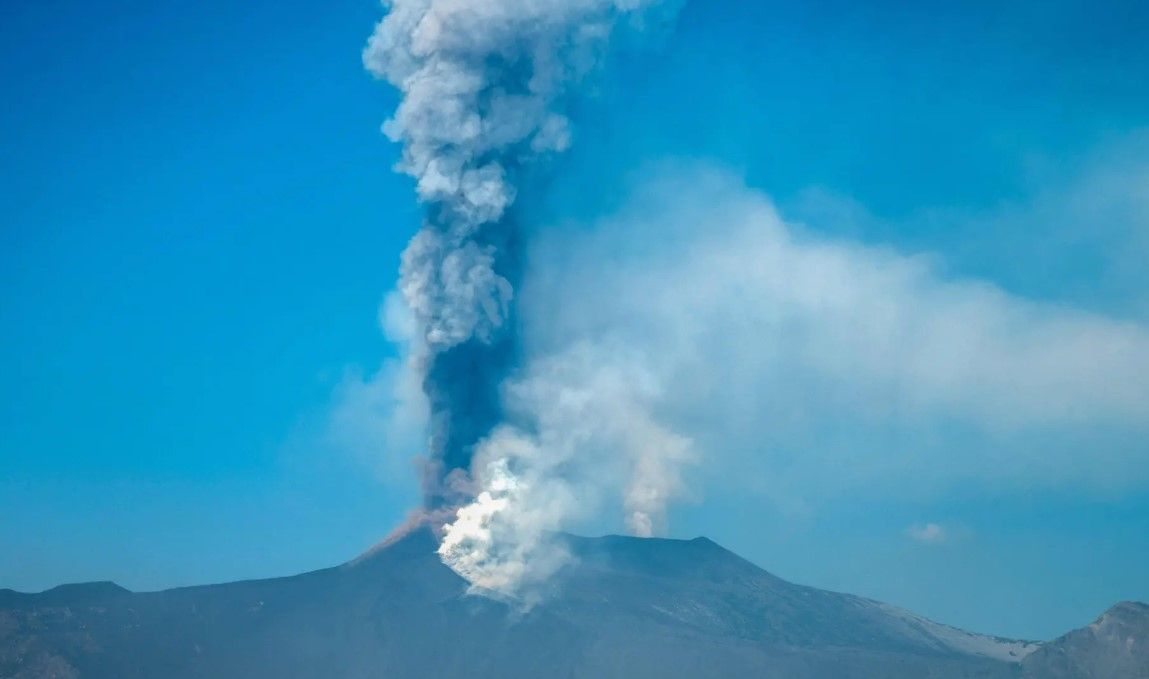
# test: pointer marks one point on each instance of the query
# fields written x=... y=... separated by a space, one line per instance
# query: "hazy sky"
x=198 y=225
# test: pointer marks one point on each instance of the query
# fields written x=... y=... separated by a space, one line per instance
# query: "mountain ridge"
x=623 y=607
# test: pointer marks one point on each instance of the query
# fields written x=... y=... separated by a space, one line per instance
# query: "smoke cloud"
x=592 y=438
x=804 y=368
x=800 y=367
x=483 y=88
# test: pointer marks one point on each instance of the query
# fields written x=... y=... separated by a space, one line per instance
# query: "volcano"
x=625 y=607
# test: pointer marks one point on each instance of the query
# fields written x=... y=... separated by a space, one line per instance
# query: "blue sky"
x=199 y=223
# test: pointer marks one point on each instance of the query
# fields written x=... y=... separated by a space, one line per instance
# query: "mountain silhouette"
x=624 y=607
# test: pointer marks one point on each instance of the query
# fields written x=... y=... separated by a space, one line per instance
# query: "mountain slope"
x=625 y=608
x=1115 y=645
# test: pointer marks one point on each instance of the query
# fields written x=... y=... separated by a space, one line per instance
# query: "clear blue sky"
x=198 y=223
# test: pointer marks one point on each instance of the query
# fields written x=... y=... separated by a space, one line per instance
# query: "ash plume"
x=483 y=85
x=588 y=436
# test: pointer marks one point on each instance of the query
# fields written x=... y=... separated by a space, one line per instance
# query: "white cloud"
x=928 y=533
x=1078 y=234
x=800 y=366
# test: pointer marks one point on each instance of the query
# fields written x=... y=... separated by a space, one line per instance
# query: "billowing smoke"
x=484 y=85
x=587 y=437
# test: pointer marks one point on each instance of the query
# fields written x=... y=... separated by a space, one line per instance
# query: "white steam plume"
x=482 y=84
x=593 y=435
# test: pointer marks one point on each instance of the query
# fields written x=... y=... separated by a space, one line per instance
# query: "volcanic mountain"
x=625 y=607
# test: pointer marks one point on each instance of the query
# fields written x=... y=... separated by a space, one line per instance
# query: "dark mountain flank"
x=625 y=608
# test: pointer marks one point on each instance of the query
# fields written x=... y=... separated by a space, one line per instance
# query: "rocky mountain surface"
x=625 y=608
x=1115 y=645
